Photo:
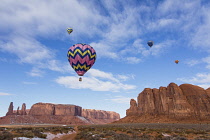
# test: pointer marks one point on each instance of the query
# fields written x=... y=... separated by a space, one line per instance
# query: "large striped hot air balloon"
x=81 y=57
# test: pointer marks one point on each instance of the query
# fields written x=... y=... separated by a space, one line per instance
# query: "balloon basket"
x=80 y=79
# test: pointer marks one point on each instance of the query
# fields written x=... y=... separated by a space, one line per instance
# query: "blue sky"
x=34 y=45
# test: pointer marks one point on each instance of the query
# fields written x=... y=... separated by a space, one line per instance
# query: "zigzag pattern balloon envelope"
x=81 y=57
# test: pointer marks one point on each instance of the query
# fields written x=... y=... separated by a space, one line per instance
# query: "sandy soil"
x=69 y=136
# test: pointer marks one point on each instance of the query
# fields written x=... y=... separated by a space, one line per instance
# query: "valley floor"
x=131 y=131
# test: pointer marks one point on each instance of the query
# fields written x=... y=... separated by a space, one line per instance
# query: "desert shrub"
x=167 y=131
x=179 y=138
x=143 y=129
x=109 y=133
x=178 y=131
x=29 y=134
x=2 y=128
x=5 y=135
x=102 y=135
x=189 y=131
x=129 y=131
x=121 y=137
x=159 y=136
x=40 y=135
x=27 y=128
x=200 y=132
x=146 y=137
x=83 y=134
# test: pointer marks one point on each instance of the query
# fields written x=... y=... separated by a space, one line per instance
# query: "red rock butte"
x=48 y=113
x=172 y=104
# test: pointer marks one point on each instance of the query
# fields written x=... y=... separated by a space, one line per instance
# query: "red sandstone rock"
x=208 y=92
x=18 y=111
x=184 y=103
x=100 y=116
x=10 y=109
x=23 y=109
x=59 y=114
x=55 y=109
x=133 y=110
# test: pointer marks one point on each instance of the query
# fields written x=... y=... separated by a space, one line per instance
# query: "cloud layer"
x=96 y=80
x=117 y=30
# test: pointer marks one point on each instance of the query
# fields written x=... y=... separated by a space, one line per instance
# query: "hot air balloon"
x=150 y=43
x=176 y=61
x=69 y=30
x=81 y=57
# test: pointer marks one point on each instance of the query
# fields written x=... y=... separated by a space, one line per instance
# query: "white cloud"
x=121 y=24
x=35 y=72
x=205 y=86
x=201 y=79
x=23 y=23
x=198 y=78
x=160 y=48
x=96 y=81
x=169 y=7
x=104 y=50
x=33 y=52
x=141 y=49
x=192 y=62
x=125 y=77
x=4 y=94
x=204 y=60
x=56 y=65
x=28 y=50
x=29 y=83
x=46 y=20
x=101 y=74
x=121 y=99
x=207 y=61
x=133 y=60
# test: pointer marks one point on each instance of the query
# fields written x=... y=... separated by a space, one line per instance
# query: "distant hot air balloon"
x=150 y=43
x=81 y=57
x=176 y=61
x=69 y=30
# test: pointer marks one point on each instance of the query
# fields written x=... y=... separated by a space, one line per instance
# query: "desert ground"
x=135 y=131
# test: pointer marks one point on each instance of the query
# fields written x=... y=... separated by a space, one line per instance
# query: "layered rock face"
x=58 y=114
x=100 y=115
x=55 y=109
x=172 y=103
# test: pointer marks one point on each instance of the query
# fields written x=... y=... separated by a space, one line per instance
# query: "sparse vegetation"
x=116 y=132
x=30 y=132
x=143 y=131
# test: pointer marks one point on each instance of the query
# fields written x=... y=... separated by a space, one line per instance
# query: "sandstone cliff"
x=57 y=114
x=45 y=109
x=184 y=103
x=102 y=116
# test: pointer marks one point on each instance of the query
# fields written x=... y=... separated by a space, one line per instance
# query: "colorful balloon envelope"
x=150 y=43
x=81 y=57
x=69 y=30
